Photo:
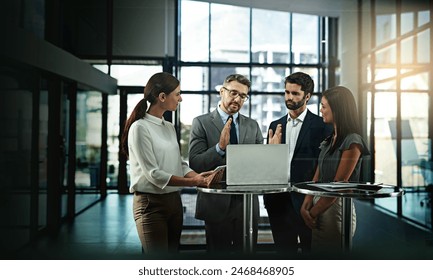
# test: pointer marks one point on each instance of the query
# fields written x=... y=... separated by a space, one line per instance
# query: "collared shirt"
x=224 y=117
x=293 y=128
x=154 y=155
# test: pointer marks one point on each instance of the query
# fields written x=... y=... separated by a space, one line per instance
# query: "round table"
x=348 y=191
x=248 y=192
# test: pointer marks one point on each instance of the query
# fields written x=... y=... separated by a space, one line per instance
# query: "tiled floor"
x=107 y=231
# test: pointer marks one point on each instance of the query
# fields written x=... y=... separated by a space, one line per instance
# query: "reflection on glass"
x=414 y=136
x=415 y=46
x=304 y=49
x=194 y=45
x=385 y=28
x=270 y=47
x=415 y=149
x=230 y=33
x=88 y=145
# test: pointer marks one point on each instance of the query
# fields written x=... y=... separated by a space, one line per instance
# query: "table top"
x=223 y=188
x=351 y=190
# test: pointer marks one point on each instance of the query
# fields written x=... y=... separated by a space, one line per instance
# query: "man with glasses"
x=210 y=135
x=303 y=131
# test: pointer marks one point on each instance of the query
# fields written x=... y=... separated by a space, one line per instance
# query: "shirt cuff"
x=219 y=151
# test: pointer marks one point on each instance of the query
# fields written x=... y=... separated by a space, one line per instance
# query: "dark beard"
x=295 y=105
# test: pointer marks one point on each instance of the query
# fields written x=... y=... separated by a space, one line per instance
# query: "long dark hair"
x=159 y=82
x=344 y=111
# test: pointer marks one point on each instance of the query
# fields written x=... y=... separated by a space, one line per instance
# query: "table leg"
x=248 y=223
x=346 y=224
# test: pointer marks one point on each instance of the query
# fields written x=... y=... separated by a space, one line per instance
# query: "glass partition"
x=88 y=145
x=398 y=72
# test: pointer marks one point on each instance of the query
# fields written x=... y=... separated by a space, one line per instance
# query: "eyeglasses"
x=235 y=93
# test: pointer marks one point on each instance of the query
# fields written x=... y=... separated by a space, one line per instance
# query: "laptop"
x=257 y=164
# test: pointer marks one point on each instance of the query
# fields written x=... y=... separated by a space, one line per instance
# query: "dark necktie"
x=233 y=134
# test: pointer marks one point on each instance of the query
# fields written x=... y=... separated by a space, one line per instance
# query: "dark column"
x=72 y=155
x=104 y=146
x=54 y=180
x=122 y=180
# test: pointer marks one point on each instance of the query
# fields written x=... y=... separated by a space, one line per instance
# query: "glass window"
x=192 y=105
x=387 y=55
x=423 y=17
x=385 y=143
x=305 y=50
x=386 y=21
x=270 y=47
x=314 y=74
x=407 y=22
x=423 y=46
x=194 y=45
x=384 y=73
x=230 y=33
x=194 y=78
x=88 y=145
x=414 y=149
x=415 y=82
x=113 y=140
x=407 y=50
x=265 y=109
x=314 y=105
x=218 y=75
x=101 y=67
x=133 y=75
x=268 y=79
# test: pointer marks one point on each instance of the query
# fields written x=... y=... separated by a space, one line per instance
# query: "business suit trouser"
x=287 y=225
x=227 y=235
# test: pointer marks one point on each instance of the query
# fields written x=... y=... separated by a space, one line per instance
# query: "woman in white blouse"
x=156 y=168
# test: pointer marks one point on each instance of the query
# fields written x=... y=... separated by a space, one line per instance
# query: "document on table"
x=342 y=186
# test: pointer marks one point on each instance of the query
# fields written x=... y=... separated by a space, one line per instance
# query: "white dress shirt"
x=293 y=128
x=154 y=155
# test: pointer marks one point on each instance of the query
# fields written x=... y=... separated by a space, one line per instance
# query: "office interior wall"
x=139 y=28
x=144 y=28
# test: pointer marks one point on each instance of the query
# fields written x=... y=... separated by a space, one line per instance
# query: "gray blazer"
x=205 y=134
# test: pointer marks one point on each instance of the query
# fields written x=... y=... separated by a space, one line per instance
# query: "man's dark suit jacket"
x=304 y=161
x=205 y=133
